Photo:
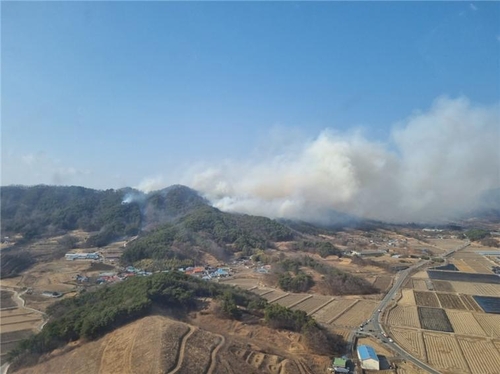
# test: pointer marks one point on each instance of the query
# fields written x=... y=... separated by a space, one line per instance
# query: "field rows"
x=312 y=303
x=426 y=299
x=450 y=301
x=332 y=310
x=481 y=355
x=404 y=316
x=464 y=323
x=411 y=340
x=419 y=285
x=359 y=313
x=273 y=295
x=444 y=353
x=483 y=289
x=434 y=319
x=490 y=324
x=291 y=299
x=470 y=303
x=443 y=286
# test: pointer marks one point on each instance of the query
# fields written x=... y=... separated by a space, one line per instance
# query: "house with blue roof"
x=368 y=358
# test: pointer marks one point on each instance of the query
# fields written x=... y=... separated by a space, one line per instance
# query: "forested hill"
x=207 y=229
x=52 y=210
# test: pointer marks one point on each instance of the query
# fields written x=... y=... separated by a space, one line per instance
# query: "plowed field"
x=464 y=323
x=450 y=301
x=480 y=354
x=419 y=285
x=443 y=352
x=426 y=299
x=470 y=303
x=291 y=299
x=443 y=286
x=312 y=303
x=484 y=289
x=434 y=319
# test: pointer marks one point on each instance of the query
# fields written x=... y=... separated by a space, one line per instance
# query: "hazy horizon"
x=384 y=110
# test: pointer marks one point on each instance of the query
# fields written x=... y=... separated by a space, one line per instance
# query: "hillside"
x=92 y=315
x=159 y=344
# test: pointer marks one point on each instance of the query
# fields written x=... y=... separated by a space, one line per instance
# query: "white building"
x=368 y=358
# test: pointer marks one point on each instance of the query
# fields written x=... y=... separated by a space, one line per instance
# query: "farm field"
x=421 y=275
x=488 y=304
x=411 y=340
x=470 y=303
x=482 y=289
x=457 y=276
x=6 y=300
x=464 y=323
x=490 y=324
x=274 y=295
x=480 y=354
x=312 y=303
x=442 y=286
x=446 y=244
x=434 y=319
x=404 y=316
x=407 y=297
x=450 y=301
x=419 y=285
x=426 y=299
x=356 y=315
x=291 y=299
x=244 y=283
x=462 y=266
x=332 y=310
x=444 y=353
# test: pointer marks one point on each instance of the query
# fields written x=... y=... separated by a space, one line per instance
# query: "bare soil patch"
x=434 y=319
x=426 y=299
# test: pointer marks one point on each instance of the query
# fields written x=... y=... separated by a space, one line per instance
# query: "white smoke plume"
x=435 y=166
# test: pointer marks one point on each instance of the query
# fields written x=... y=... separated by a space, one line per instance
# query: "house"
x=368 y=358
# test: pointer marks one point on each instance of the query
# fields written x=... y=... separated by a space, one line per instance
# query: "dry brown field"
x=470 y=303
x=421 y=275
x=446 y=244
x=462 y=266
x=490 y=323
x=443 y=286
x=408 y=283
x=407 y=297
x=197 y=352
x=244 y=283
x=274 y=295
x=312 y=303
x=483 y=289
x=411 y=340
x=444 y=353
x=419 y=285
x=291 y=299
x=480 y=354
x=356 y=315
x=404 y=316
x=332 y=310
x=383 y=283
x=6 y=300
x=426 y=299
x=450 y=301
x=464 y=323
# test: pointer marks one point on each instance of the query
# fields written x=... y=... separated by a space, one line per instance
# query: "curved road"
x=375 y=320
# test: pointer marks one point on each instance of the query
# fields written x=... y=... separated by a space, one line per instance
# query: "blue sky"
x=106 y=94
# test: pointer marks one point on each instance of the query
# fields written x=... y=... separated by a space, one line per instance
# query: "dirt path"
x=182 y=348
x=213 y=355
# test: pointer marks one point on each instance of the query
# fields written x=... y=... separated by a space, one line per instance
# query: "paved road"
x=375 y=326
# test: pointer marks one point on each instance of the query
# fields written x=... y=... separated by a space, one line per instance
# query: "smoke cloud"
x=435 y=166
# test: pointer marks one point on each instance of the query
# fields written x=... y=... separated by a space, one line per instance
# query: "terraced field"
x=444 y=353
x=313 y=303
x=404 y=316
x=356 y=315
x=450 y=301
x=332 y=310
x=291 y=299
x=411 y=341
x=464 y=323
x=480 y=354
x=426 y=299
x=274 y=295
